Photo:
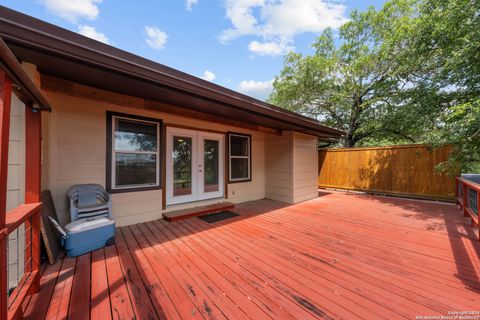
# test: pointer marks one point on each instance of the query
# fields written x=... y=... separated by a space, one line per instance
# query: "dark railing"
x=468 y=194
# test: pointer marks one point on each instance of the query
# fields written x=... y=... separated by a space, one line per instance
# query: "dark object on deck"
x=49 y=236
x=219 y=216
x=197 y=211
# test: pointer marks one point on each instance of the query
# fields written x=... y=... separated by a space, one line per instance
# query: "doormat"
x=219 y=216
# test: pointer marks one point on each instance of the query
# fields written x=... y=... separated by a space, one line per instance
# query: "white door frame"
x=202 y=136
x=198 y=138
x=171 y=132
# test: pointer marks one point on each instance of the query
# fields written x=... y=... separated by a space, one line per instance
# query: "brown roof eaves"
x=29 y=91
x=22 y=30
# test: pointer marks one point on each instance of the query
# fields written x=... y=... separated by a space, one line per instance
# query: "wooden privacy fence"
x=407 y=170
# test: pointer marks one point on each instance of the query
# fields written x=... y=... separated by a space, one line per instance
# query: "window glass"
x=182 y=166
x=135 y=169
x=239 y=145
x=210 y=165
x=239 y=168
x=135 y=136
x=134 y=153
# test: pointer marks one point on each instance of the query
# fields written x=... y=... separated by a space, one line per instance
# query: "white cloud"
x=155 y=37
x=72 y=10
x=190 y=3
x=257 y=89
x=277 y=22
x=270 y=48
x=90 y=32
x=208 y=75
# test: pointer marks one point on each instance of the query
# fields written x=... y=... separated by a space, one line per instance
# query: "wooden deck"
x=338 y=256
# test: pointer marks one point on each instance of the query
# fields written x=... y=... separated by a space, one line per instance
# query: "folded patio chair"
x=87 y=201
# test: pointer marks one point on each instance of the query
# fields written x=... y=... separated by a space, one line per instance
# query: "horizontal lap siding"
x=16 y=155
x=16 y=187
x=76 y=142
x=305 y=167
x=279 y=167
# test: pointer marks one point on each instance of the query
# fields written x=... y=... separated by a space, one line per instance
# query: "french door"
x=195 y=165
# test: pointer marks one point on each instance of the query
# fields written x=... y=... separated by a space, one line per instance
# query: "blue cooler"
x=85 y=235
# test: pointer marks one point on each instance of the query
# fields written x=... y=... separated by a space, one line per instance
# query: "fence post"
x=465 y=199
x=5 y=98
x=478 y=213
x=458 y=183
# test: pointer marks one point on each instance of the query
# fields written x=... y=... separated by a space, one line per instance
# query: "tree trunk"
x=353 y=123
x=349 y=142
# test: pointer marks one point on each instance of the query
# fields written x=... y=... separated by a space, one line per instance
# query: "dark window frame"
x=250 y=156
x=109 y=139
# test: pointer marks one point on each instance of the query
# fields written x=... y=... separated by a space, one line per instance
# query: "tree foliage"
x=447 y=41
x=409 y=72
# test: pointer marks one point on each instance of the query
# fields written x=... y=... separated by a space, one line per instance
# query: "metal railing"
x=22 y=255
x=19 y=259
x=468 y=194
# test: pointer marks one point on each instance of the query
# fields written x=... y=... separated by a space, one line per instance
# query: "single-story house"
x=157 y=139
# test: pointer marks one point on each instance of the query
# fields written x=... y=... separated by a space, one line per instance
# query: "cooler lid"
x=87 y=224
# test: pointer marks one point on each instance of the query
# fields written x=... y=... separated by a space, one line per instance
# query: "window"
x=239 y=157
x=133 y=160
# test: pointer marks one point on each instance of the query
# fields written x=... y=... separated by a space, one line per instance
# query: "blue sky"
x=238 y=44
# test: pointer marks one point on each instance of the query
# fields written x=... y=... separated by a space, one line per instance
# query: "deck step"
x=197 y=211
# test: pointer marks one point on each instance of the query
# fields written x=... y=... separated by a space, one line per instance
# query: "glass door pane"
x=210 y=165
x=182 y=165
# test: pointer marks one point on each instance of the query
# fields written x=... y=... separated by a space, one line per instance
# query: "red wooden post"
x=32 y=186
x=465 y=204
x=5 y=98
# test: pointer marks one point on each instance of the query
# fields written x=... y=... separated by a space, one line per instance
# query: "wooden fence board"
x=407 y=170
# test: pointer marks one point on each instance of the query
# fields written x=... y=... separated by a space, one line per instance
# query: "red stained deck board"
x=282 y=242
x=178 y=295
x=60 y=302
x=340 y=255
x=80 y=298
x=286 y=273
x=200 y=291
x=164 y=307
x=255 y=287
x=38 y=305
x=197 y=211
x=100 y=298
x=141 y=303
x=119 y=296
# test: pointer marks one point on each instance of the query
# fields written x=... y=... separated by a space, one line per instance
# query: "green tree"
x=409 y=72
x=356 y=83
x=446 y=41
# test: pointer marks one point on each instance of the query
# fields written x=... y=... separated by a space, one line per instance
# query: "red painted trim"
x=5 y=99
x=463 y=201
x=33 y=150
x=20 y=214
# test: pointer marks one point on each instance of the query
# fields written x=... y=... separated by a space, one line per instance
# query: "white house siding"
x=76 y=149
x=305 y=167
x=16 y=188
x=279 y=167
